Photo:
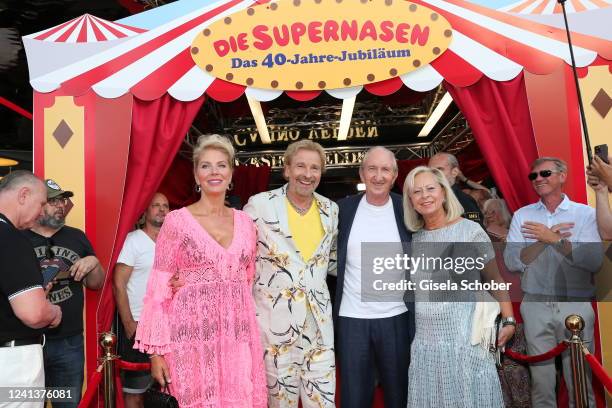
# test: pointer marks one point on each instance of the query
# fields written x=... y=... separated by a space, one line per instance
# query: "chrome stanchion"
x=108 y=341
x=575 y=324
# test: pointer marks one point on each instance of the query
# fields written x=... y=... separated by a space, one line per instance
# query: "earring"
x=198 y=188
x=230 y=186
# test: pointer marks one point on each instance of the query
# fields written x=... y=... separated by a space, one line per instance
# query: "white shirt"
x=551 y=273
x=138 y=252
x=371 y=224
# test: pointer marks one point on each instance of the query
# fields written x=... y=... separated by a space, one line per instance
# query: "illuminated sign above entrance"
x=321 y=44
x=285 y=135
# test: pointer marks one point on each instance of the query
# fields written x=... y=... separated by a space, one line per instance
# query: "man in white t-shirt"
x=129 y=283
x=373 y=335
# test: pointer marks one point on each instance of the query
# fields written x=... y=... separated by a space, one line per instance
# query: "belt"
x=554 y=298
x=24 y=342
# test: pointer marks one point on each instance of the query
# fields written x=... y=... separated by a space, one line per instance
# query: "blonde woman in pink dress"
x=203 y=338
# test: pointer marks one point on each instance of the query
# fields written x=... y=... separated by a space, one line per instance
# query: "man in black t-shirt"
x=24 y=309
x=447 y=163
x=66 y=251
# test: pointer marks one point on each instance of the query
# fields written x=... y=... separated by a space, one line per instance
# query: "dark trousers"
x=64 y=366
x=366 y=346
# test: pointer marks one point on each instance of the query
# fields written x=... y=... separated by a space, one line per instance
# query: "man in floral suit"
x=296 y=231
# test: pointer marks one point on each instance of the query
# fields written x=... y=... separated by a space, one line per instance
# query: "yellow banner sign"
x=321 y=44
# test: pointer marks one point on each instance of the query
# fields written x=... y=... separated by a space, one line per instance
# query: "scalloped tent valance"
x=486 y=42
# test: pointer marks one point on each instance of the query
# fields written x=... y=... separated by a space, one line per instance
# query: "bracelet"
x=561 y=242
x=508 y=321
x=154 y=355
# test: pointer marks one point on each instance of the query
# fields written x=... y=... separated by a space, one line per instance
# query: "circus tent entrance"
x=396 y=121
x=112 y=113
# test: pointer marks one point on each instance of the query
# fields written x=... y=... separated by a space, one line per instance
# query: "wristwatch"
x=561 y=242
x=508 y=321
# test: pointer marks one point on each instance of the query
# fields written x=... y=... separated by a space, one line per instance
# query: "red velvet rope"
x=96 y=379
x=599 y=372
x=126 y=365
x=522 y=358
x=119 y=402
x=92 y=389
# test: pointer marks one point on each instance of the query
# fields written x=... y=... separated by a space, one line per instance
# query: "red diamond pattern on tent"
x=63 y=133
x=602 y=103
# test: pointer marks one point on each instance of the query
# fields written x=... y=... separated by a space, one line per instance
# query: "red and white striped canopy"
x=86 y=29
x=485 y=42
x=553 y=6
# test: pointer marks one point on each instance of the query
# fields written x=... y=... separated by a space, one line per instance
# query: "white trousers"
x=303 y=370
x=20 y=367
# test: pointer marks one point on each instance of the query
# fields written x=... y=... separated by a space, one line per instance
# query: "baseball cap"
x=54 y=190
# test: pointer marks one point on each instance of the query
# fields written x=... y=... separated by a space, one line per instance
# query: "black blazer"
x=347 y=210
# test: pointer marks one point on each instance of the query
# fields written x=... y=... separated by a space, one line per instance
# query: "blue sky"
x=160 y=15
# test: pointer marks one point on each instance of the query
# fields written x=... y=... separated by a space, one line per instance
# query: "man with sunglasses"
x=24 y=308
x=556 y=247
x=65 y=252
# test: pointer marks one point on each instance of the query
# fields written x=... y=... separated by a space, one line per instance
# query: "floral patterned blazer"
x=285 y=285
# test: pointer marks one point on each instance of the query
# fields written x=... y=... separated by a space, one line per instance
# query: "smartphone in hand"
x=49 y=273
x=602 y=152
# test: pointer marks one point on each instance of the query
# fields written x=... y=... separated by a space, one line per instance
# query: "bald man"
x=371 y=335
x=66 y=251
x=449 y=165
x=129 y=284
x=24 y=308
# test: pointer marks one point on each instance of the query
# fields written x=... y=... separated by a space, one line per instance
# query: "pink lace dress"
x=207 y=330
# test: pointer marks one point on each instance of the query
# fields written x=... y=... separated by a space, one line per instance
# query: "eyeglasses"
x=431 y=189
x=49 y=254
x=542 y=173
x=57 y=201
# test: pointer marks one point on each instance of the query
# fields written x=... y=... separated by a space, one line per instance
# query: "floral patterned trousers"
x=305 y=369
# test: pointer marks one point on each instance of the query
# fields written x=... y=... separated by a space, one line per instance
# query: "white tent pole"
x=260 y=120
x=345 y=117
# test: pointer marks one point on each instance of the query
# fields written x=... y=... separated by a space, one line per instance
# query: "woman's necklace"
x=299 y=210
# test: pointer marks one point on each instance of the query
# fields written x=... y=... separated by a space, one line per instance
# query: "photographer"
x=600 y=179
